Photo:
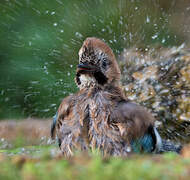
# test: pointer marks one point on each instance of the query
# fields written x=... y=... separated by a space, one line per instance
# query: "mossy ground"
x=92 y=166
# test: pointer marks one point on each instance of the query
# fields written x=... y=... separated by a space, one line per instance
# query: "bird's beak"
x=86 y=67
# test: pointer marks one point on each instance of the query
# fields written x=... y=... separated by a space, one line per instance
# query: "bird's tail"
x=169 y=146
x=162 y=145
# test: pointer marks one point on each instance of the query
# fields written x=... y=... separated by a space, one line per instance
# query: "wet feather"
x=99 y=116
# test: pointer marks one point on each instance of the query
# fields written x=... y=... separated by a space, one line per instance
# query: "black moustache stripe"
x=100 y=77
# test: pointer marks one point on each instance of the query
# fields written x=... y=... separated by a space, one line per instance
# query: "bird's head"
x=97 y=64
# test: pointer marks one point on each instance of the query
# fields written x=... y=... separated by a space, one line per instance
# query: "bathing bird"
x=99 y=116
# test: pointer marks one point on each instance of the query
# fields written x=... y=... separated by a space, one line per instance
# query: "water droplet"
x=45 y=110
x=55 y=24
x=163 y=40
x=2 y=92
x=155 y=36
x=52 y=105
x=120 y=22
x=6 y=99
x=128 y=149
x=147 y=19
x=79 y=35
x=130 y=36
x=34 y=82
x=103 y=30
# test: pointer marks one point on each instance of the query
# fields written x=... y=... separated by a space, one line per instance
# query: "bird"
x=99 y=116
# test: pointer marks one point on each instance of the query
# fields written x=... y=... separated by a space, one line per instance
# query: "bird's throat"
x=91 y=79
x=86 y=81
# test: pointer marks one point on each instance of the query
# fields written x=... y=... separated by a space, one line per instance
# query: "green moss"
x=167 y=166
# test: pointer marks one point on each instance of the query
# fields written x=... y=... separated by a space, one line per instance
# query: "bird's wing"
x=53 y=126
x=150 y=142
x=69 y=124
x=134 y=117
x=137 y=124
x=63 y=109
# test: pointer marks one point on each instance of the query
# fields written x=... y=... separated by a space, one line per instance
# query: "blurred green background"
x=40 y=39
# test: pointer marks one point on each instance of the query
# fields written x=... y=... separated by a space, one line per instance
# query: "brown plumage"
x=99 y=116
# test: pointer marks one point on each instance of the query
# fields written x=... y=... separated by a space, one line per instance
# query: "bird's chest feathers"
x=101 y=112
x=103 y=133
x=86 y=81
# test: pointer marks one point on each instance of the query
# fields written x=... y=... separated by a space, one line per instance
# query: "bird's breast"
x=103 y=134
